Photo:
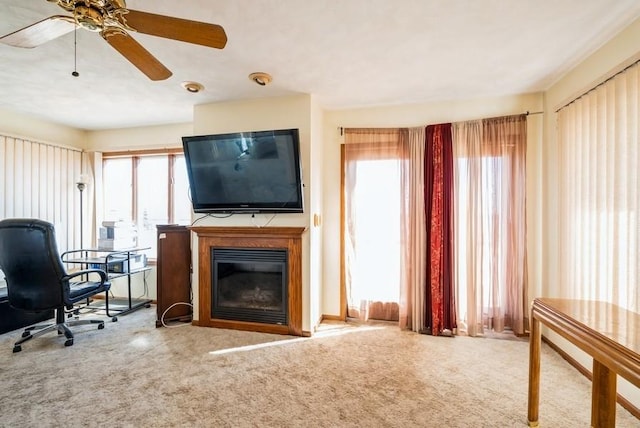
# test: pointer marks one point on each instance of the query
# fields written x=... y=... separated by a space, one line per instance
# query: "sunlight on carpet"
x=322 y=334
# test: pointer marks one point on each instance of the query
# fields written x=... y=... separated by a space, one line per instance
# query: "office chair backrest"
x=31 y=263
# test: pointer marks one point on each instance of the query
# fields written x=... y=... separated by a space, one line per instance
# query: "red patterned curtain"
x=440 y=317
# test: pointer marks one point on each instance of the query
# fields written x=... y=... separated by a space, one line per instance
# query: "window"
x=146 y=189
x=376 y=212
x=118 y=201
x=372 y=210
x=489 y=225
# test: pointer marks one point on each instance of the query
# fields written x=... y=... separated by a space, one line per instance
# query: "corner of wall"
x=32 y=128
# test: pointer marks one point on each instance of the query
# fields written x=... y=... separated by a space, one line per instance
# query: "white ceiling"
x=347 y=53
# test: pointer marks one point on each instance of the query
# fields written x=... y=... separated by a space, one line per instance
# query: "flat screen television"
x=245 y=172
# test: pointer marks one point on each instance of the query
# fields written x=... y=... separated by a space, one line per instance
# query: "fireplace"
x=250 y=278
x=249 y=285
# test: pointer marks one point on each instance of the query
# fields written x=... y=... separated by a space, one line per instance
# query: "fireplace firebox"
x=249 y=284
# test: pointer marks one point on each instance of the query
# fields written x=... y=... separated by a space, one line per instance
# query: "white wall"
x=256 y=115
x=422 y=115
x=610 y=58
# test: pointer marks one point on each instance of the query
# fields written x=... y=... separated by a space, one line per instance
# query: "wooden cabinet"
x=173 y=274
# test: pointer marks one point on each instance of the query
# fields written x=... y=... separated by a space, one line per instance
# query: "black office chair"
x=37 y=280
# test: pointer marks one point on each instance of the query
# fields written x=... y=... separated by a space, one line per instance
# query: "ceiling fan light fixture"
x=262 y=79
x=88 y=18
x=193 y=87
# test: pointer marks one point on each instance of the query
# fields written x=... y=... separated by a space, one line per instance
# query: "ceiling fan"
x=114 y=21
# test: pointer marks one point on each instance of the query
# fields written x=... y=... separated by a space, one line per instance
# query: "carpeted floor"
x=132 y=374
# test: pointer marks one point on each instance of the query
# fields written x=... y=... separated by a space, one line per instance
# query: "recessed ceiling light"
x=261 y=78
x=193 y=87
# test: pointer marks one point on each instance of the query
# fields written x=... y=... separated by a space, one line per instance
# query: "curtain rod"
x=390 y=129
x=526 y=113
x=599 y=84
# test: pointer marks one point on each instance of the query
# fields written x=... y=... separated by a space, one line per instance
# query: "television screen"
x=245 y=172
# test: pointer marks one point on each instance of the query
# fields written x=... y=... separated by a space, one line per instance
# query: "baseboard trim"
x=626 y=404
x=331 y=318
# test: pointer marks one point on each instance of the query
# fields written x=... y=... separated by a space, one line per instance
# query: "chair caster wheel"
x=17 y=348
x=26 y=333
x=100 y=326
x=114 y=319
x=147 y=305
x=68 y=342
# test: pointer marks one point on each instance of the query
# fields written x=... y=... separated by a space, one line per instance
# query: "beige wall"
x=264 y=114
x=610 y=58
x=316 y=208
x=34 y=129
x=148 y=137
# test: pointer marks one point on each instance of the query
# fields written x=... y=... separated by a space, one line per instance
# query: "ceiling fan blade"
x=199 y=33
x=40 y=32
x=138 y=56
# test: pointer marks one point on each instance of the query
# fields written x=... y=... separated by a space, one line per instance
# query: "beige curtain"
x=414 y=281
x=364 y=216
x=489 y=224
x=599 y=188
x=39 y=180
x=95 y=197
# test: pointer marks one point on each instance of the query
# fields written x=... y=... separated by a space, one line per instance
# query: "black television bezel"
x=293 y=207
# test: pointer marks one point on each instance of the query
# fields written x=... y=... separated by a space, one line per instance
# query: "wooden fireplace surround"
x=287 y=238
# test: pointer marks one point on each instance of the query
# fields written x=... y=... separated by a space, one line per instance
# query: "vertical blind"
x=38 y=180
x=599 y=146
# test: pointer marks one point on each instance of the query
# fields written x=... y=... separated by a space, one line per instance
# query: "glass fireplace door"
x=249 y=285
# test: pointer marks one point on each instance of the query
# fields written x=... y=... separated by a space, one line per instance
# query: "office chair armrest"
x=102 y=273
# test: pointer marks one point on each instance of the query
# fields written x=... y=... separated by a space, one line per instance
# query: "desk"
x=609 y=333
x=116 y=263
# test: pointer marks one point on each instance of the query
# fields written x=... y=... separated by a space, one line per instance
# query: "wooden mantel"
x=287 y=238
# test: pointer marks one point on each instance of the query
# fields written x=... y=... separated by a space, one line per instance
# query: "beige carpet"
x=132 y=374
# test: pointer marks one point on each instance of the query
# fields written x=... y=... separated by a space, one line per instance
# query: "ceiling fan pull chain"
x=75 y=53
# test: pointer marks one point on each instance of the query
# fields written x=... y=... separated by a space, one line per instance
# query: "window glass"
x=376 y=198
x=153 y=199
x=118 y=201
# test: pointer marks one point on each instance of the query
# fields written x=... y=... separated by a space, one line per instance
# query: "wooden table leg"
x=534 y=371
x=603 y=396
